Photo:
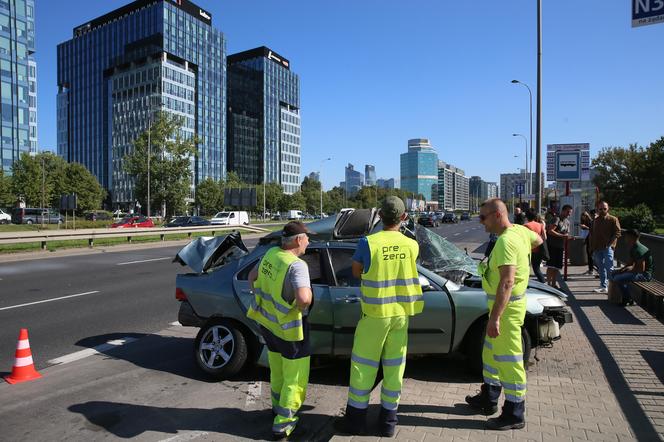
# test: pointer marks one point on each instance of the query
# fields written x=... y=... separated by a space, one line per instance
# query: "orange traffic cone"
x=24 y=368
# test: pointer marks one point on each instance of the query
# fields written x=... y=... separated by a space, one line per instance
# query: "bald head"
x=495 y=205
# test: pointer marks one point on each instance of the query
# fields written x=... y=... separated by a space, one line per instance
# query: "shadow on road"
x=129 y=420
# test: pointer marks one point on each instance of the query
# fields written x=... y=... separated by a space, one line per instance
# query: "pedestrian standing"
x=537 y=253
x=282 y=296
x=519 y=216
x=639 y=267
x=603 y=238
x=557 y=233
x=586 y=223
x=391 y=293
x=505 y=279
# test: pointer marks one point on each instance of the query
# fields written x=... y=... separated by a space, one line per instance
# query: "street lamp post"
x=530 y=94
x=320 y=180
x=149 y=152
x=525 y=171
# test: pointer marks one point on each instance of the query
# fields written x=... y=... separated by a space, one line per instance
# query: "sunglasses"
x=484 y=217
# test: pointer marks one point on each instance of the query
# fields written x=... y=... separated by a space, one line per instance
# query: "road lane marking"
x=457 y=234
x=466 y=231
x=253 y=393
x=49 y=300
x=71 y=357
x=176 y=323
x=144 y=260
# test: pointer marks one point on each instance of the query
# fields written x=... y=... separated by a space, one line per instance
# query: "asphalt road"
x=72 y=303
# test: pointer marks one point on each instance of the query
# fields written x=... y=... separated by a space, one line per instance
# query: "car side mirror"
x=425 y=284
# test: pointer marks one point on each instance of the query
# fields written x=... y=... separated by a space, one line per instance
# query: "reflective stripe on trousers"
x=502 y=357
x=288 y=382
x=378 y=341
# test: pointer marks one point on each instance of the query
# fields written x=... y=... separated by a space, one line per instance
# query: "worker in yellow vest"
x=282 y=296
x=505 y=279
x=391 y=293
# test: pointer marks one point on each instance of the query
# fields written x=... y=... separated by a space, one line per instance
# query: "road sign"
x=568 y=166
x=647 y=12
x=519 y=188
x=551 y=150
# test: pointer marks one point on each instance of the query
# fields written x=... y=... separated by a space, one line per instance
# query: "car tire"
x=230 y=340
x=475 y=344
x=29 y=221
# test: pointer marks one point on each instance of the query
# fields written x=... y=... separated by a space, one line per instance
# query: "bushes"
x=638 y=217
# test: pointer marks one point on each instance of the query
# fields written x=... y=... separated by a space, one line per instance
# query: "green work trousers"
x=502 y=356
x=288 y=382
x=378 y=341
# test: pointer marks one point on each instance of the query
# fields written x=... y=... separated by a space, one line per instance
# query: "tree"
x=273 y=194
x=310 y=190
x=333 y=200
x=7 y=197
x=209 y=196
x=90 y=194
x=624 y=174
x=170 y=164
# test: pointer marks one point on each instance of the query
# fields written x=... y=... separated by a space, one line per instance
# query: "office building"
x=119 y=69
x=18 y=90
x=419 y=168
x=369 y=175
x=314 y=176
x=264 y=119
x=385 y=184
x=481 y=191
x=453 y=187
x=512 y=185
x=354 y=180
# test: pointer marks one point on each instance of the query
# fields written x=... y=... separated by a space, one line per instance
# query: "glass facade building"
x=369 y=175
x=419 y=168
x=18 y=80
x=264 y=119
x=118 y=70
x=354 y=180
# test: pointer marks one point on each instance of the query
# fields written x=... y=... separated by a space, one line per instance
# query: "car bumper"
x=187 y=317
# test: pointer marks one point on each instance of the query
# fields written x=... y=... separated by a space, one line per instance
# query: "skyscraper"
x=18 y=72
x=419 y=168
x=369 y=175
x=264 y=119
x=453 y=187
x=354 y=180
x=119 y=69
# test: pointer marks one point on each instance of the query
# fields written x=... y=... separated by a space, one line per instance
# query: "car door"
x=320 y=314
x=429 y=332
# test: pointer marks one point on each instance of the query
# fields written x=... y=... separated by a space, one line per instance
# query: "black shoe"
x=481 y=403
x=505 y=422
x=387 y=422
x=344 y=426
x=387 y=431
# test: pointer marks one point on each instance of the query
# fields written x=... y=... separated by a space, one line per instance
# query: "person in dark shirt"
x=639 y=267
x=519 y=216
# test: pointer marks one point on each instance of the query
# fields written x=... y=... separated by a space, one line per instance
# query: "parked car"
x=295 y=215
x=129 y=222
x=5 y=218
x=465 y=216
x=450 y=217
x=31 y=215
x=277 y=217
x=231 y=218
x=215 y=297
x=98 y=216
x=187 y=221
x=428 y=221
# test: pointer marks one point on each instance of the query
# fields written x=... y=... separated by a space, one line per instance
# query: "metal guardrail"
x=46 y=236
x=655 y=244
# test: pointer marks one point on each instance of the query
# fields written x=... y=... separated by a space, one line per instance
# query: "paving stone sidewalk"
x=604 y=380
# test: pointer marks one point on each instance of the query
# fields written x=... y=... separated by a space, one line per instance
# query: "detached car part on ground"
x=216 y=297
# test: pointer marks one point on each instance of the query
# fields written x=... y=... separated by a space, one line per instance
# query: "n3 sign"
x=647 y=12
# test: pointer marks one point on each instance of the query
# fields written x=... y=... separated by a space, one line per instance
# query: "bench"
x=650 y=296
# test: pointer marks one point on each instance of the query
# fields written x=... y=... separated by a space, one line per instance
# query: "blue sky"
x=375 y=73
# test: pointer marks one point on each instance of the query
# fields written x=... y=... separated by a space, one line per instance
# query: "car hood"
x=208 y=252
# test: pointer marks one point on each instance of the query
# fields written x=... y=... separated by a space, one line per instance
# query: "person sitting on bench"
x=639 y=267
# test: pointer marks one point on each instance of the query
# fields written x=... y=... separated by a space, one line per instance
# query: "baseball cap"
x=295 y=228
x=391 y=209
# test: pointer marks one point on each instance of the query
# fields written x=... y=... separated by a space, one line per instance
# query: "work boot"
x=511 y=418
x=353 y=423
x=387 y=422
x=482 y=402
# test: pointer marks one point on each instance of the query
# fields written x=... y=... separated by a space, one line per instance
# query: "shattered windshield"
x=442 y=257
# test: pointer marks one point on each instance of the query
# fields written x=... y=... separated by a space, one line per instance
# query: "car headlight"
x=550 y=301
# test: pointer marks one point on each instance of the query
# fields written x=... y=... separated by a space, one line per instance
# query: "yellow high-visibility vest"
x=391 y=286
x=269 y=309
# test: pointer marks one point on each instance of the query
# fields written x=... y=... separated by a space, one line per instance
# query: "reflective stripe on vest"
x=391 y=285
x=268 y=307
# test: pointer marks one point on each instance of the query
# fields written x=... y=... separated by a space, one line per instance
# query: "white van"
x=233 y=218
x=295 y=214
